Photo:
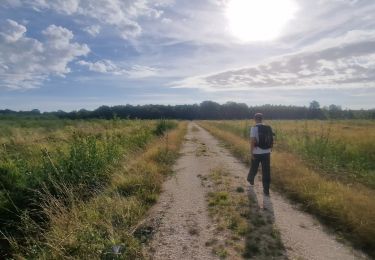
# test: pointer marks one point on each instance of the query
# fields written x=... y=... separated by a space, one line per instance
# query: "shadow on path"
x=263 y=240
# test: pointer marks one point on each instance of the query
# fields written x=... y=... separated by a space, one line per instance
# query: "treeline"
x=204 y=110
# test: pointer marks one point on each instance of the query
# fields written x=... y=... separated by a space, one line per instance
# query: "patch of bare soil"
x=184 y=224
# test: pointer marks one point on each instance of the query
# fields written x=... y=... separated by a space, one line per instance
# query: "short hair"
x=258 y=116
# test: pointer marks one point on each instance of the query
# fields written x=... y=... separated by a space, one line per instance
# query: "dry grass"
x=342 y=150
x=103 y=227
x=347 y=208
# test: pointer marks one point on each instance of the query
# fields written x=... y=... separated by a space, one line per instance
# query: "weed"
x=220 y=251
x=240 y=189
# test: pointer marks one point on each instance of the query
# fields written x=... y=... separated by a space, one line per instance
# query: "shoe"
x=251 y=182
x=266 y=193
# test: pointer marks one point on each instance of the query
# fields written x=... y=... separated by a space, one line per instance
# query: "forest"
x=204 y=110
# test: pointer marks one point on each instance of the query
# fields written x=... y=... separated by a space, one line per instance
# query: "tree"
x=335 y=111
x=35 y=112
x=314 y=105
x=210 y=110
x=315 y=111
x=103 y=112
x=233 y=110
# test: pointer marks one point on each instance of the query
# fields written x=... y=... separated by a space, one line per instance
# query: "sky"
x=73 y=54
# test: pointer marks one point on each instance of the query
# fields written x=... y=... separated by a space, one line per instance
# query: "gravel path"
x=182 y=225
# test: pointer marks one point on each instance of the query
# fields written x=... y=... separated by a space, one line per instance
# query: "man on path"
x=261 y=142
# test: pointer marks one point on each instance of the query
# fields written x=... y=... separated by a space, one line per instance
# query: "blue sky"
x=72 y=54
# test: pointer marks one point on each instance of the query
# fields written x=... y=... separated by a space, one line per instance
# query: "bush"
x=164 y=125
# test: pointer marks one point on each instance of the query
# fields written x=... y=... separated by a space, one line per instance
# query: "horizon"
x=325 y=107
x=58 y=55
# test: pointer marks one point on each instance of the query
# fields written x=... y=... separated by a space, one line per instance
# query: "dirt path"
x=182 y=226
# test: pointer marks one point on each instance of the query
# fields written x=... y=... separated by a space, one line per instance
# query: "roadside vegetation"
x=77 y=189
x=328 y=167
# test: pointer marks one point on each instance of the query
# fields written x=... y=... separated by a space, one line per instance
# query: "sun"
x=259 y=20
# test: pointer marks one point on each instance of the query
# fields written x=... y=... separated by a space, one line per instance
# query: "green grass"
x=51 y=168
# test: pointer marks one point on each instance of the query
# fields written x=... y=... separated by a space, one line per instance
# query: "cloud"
x=102 y=66
x=61 y=6
x=347 y=60
x=108 y=67
x=93 y=30
x=11 y=31
x=139 y=71
x=197 y=22
x=26 y=62
x=121 y=14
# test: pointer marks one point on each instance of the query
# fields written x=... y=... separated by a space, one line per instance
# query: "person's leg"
x=266 y=173
x=253 y=169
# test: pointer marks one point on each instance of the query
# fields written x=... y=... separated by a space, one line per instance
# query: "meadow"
x=327 y=166
x=78 y=188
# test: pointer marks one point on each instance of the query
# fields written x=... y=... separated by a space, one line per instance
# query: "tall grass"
x=82 y=160
x=349 y=209
x=342 y=150
x=104 y=226
x=51 y=170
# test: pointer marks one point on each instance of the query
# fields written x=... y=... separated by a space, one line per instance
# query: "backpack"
x=265 y=137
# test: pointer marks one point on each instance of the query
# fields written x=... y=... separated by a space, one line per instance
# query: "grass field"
x=339 y=149
x=78 y=188
x=327 y=166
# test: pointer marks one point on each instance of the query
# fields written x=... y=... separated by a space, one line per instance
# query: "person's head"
x=258 y=117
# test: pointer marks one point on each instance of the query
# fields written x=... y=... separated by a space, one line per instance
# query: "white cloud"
x=345 y=61
x=26 y=62
x=102 y=66
x=11 y=31
x=107 y=66
x=122 y=14
x=139 y=71
x=166 y=20
x=93 y=30
x=198 y=22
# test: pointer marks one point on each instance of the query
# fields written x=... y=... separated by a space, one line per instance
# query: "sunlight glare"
x=259 y=20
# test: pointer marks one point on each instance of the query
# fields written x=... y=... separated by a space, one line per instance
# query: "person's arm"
x=252 y=142
x=252 y=146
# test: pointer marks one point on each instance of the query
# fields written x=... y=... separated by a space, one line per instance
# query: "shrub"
x=164 y=125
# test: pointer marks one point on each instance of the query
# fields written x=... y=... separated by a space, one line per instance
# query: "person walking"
x=261 y=142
